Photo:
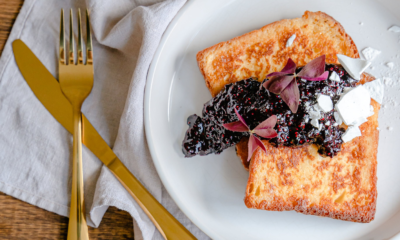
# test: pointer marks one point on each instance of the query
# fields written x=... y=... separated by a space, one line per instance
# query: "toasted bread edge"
x=201 y=59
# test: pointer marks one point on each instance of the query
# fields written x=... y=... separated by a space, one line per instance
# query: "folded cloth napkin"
x=35 y=159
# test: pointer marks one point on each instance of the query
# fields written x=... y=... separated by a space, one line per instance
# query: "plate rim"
x=148 y=131
x=150 y=143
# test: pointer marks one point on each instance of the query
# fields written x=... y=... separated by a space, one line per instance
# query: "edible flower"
x=284 y=82
x=264 y=129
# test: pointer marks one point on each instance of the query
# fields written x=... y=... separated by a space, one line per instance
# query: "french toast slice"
x=262 y=51
x=342 y=187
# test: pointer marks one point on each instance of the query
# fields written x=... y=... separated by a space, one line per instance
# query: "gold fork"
x=76 y=81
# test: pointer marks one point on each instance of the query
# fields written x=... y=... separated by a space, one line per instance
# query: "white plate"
x=210 y=190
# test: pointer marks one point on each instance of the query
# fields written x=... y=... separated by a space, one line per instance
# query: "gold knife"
x=46 y=88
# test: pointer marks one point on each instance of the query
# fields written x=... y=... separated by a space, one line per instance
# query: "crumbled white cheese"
x=314 y=114
x=394 y=29
x=353 y=66
x=307 y=106
x=303 y=80
x=346 y=89
x=325 y=102
x=354 y=105
x=351 y=132
x=315 y=122
x=334 y=77
x=317 y=108
x=390 y=65
x=290 y=40
x=335 y=124
x=338 y=118
x=371 y=111
x=328 y=123
x=306 y=118
x=359 y=121
x=375 y=89
x=370 y=53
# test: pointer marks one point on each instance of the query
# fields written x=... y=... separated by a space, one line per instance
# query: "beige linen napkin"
x=35 y=149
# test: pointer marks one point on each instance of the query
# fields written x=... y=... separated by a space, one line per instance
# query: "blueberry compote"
x=207 y=135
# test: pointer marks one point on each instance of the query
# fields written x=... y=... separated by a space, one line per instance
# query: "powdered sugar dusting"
x=370 y=53
x=388 y=81
x=387 y=68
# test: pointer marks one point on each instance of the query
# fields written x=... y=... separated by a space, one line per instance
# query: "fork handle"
x=77 y=227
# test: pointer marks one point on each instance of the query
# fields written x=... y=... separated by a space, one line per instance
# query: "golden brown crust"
x=342 y=187
x=262 y=51
x=242 y=153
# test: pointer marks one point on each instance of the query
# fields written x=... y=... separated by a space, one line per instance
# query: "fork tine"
x=89 y=47
x=71 y=38
x=80 y=56
x=62 y=56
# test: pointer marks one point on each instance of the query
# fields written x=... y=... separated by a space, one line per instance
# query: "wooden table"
x=20 y=220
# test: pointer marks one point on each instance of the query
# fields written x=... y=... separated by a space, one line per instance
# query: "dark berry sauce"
x=207 y=135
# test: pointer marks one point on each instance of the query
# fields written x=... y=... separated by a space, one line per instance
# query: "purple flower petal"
x=236 y=127
x=289 y=68
x=278 y=84
x=241 y=118
x=323 y=77
x=266 y=133
x=268 y=123
x=314 y=68
x=252 y=146
x=291 y=96
x=266 y=128
x=268 y=83
x=254 y=143
x=260 y=143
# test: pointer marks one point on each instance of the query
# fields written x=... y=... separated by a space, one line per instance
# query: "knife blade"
x=47 y=89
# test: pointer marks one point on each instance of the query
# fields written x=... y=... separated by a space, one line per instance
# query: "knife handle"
x=169 y=227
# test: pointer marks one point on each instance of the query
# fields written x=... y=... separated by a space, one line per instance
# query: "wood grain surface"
x=20 y=220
